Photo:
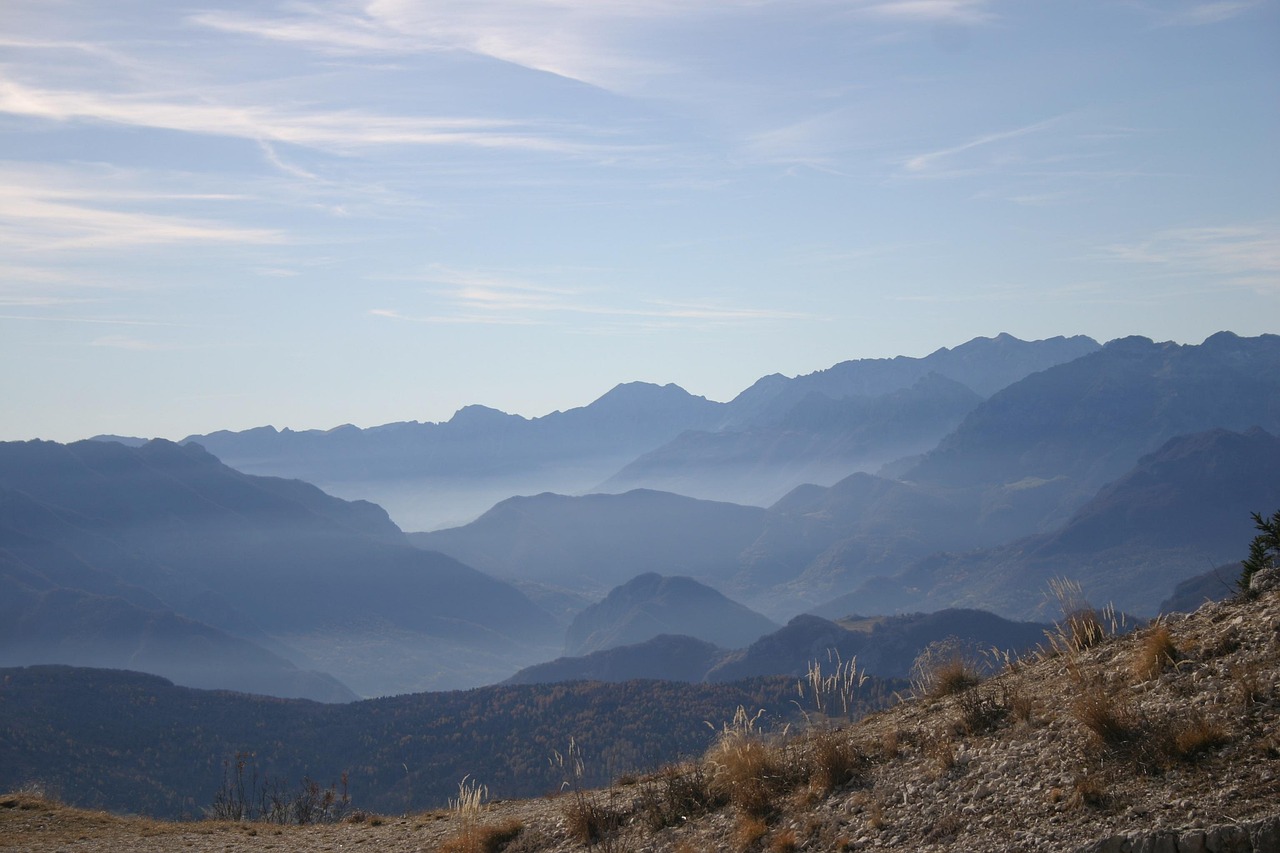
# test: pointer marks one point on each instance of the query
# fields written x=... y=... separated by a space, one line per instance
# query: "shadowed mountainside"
x=1181 y=509
x=330 y=584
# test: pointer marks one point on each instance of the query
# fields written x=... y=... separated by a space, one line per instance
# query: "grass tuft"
x=1154 y=653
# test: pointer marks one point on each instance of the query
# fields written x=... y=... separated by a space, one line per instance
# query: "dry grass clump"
x=1089 y=790
x=754 y=772
x=492 y=838
x=1113 y=724
x=831 y=760
x=1081 y=627
x=750 y=772
x=475 y=837
x=982 y=710
x=1198 y=736
x=1154 y=653
x=944 y=668
x=749 y=831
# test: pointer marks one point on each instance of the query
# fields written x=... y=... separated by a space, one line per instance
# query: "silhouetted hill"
x=668 y=657
x=433 y=475
x=1214 y=585
x=598 y=541
x=886 y=647
x=136 y=743
x=277 y=562
x=1180 y=509
x=650 y=604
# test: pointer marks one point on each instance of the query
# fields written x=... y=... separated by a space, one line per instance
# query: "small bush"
x=677 y=793
x=1264 y=551
x=981 y=711
x=1089 y=790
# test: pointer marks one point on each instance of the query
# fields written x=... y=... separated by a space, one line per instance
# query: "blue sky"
x=222 y=215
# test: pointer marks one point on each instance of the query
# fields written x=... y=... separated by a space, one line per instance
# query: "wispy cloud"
x=485 y=297
x=1246 y=255
x=1200 y=14
x=47 y=209
x=339 y=130
x=935 y=11
x=938 y=163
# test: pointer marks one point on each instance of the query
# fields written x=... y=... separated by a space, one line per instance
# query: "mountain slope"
x=598 y=541
x=1092 y=418
x=1183 y=508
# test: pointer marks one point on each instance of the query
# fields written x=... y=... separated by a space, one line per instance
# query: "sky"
x=220 y=215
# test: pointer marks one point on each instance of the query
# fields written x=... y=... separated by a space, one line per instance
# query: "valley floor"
x=1167 y=739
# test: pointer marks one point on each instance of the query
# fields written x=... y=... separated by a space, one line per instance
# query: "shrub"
x=675 y=794
x=981 y=711
x=1264 y=550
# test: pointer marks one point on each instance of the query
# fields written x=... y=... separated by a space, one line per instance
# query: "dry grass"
x=1112 y=723
x=1198 y=736
x=475 y=837
x=478 y=838
x=784 y=841
x=750 y=772
x=1089 y=790
x=1154 y=653
x=831 y=760
x=944 y=668
x=749 y=831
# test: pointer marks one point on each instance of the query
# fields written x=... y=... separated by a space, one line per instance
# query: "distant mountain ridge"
x=1090 y=419
x=475 y=459
x=436 y=475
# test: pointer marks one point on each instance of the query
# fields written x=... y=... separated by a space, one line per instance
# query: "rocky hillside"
x=1162 y=739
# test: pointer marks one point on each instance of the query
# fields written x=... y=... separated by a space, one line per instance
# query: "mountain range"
x=824 y=425
x=953 y=530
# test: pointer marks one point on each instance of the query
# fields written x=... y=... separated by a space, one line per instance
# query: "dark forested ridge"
x=136 y=743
